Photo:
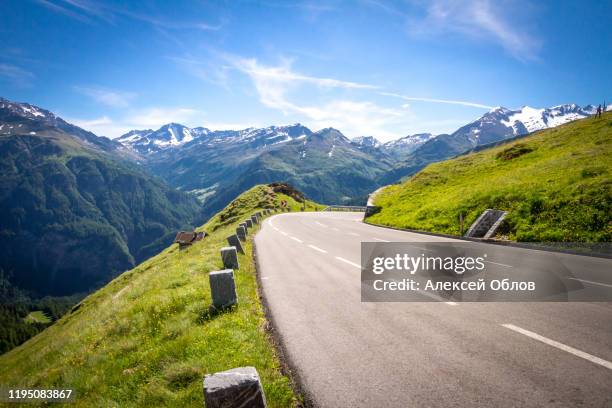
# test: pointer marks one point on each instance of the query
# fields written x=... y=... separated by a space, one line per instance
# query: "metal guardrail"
x=345 y=208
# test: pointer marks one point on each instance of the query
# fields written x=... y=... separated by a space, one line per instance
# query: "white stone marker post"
x=229 y=258
x=233 y=240
x=241 y=232
x=222 y=288
x=238 y=387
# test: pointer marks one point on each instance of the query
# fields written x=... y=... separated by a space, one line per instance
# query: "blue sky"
x=369 y=67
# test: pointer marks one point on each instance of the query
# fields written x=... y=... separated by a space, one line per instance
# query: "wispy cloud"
x=284 y=74
x=482 y=20
x=353 y=116
x=65 y=11
x=159 y=116
x=434 y=100
x=354 y=107
x=15 y=75
x=87 y=12
x=108 y=97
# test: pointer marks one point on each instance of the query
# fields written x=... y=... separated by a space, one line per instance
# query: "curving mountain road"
x=352 y=354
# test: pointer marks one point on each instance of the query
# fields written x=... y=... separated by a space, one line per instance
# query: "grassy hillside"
x=555 y=184
x=148 y=337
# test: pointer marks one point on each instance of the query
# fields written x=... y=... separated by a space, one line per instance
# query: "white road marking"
x=421 y=248
x=380 y=240
x=560 y=346
x=335 y=229
x=284 y=233
x=591 y=282
x=500 y=264
x=353 y=234
x=317 y=249
x=297 y=240
x=348 y=262
x=321 y=224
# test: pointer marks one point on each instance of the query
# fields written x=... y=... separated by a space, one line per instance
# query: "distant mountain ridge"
x=19 y=118
x=185 y=156
x=494 y=126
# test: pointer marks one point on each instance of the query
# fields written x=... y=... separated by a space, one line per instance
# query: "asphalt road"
x=349 y=353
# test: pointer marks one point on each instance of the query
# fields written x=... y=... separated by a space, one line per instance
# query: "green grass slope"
x=555 y=184
x=147 y=338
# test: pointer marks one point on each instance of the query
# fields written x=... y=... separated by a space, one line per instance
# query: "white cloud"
x=433 y=100
x=353 y=117
x=483 y=20
x=15 y=75
x=87 y=11
x=156 y=117
x=108 y=97
x=102 y=126
x=284 y=74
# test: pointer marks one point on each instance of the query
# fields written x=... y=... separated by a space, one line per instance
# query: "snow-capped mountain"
x=410 y=140
x=366 y=141
x=501 y=123
x=170 y=135
x=497 y=125
x=25 y=119
x=174 y=135
x=407 y=144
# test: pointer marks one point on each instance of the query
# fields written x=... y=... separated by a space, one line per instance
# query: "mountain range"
x=216 y=165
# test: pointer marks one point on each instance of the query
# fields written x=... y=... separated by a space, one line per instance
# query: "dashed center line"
x=321 y=224
x=500 y=264
x=560 y=346
x=353 y=234
x=297 y=240
x=421 y=248
x=380 y=240
x=316 y=248
x=284 y=233
x=591 y=282
x=348 y=262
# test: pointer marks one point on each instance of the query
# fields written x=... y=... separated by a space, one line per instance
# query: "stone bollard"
x=229 y=258
x=233 y=240
x=254 y=219
x=246 y=228
x=249 y=223
x=238 y=387
x=241 y=232
x=222 y=288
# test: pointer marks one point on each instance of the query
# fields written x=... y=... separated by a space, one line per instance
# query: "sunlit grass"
x=37 y=316
x=555 y=185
